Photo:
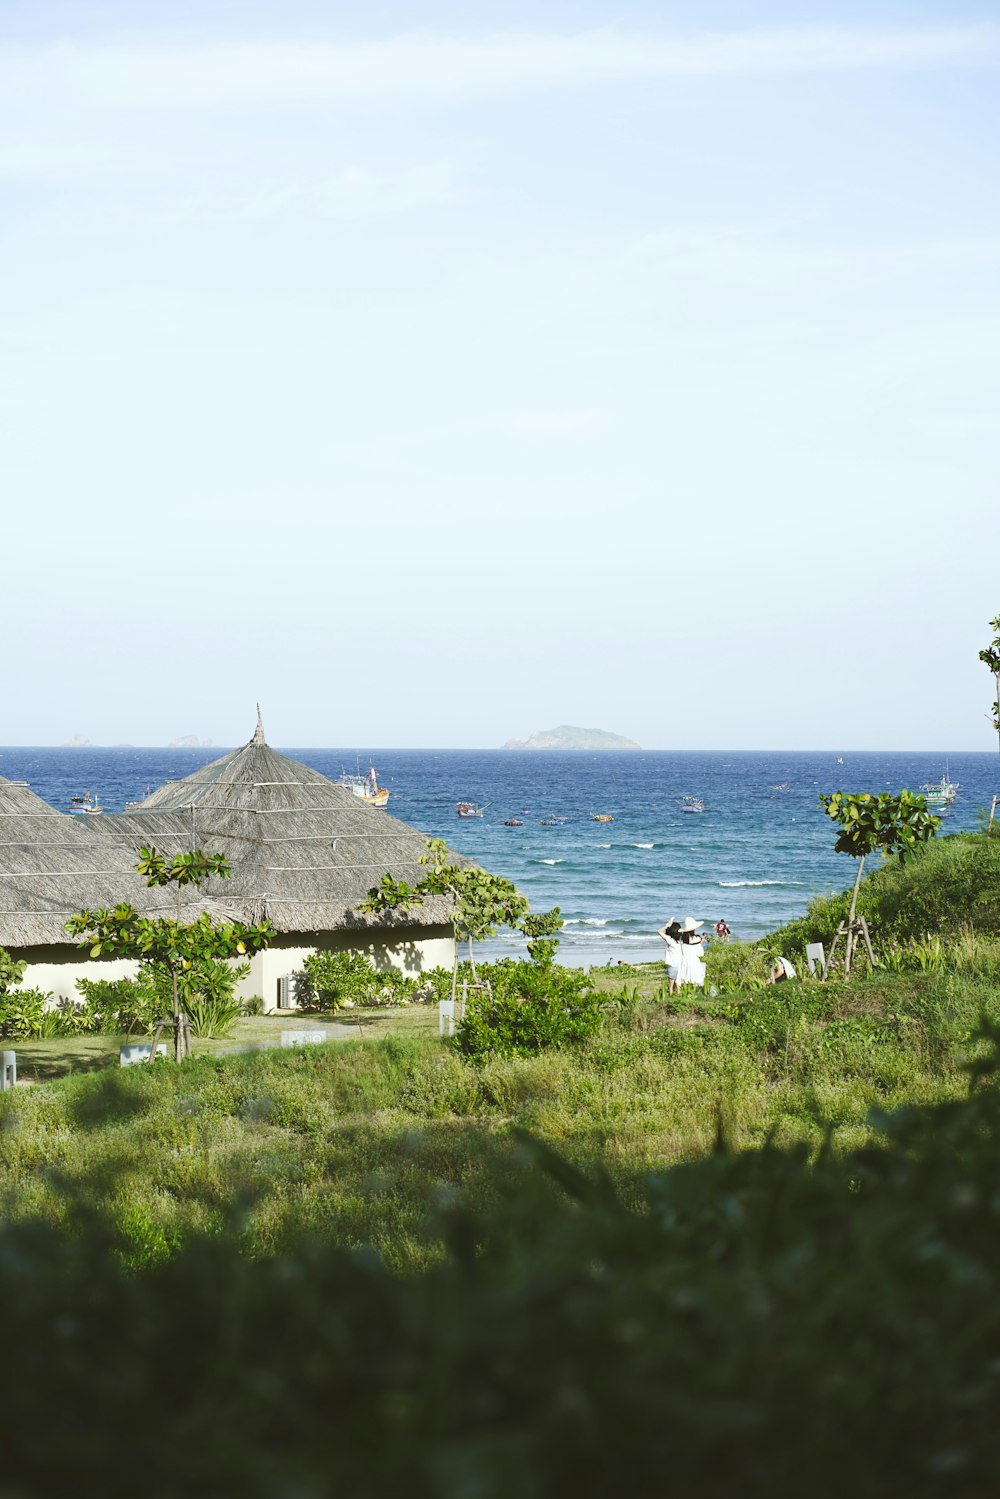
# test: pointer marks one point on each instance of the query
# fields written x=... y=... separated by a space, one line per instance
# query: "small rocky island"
x=568 y=737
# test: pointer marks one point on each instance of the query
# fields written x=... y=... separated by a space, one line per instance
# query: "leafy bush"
x=527 y=1008
x=209 y=997
x=29 y=1015
x=915 y=956
x=122 y=1007
x=339 y=980
x=732 y=966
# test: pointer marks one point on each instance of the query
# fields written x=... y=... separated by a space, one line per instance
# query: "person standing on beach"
x=671 y=935
x=692 y=966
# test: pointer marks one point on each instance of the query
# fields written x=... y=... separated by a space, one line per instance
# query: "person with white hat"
x=692 y=966
x=670 y=932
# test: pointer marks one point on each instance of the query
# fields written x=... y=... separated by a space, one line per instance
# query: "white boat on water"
x=366 y=788
x=940 y=793
x=84 y=806
x=691 y=804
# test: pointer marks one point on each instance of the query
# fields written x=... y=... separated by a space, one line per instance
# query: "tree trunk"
x=177 y=1017
x=850 y=917
x=472 y=964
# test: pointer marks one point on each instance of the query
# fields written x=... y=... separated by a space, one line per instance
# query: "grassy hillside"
x=771 y=1323
x=356 y=1139
x=745 y=1239
x=952 y=884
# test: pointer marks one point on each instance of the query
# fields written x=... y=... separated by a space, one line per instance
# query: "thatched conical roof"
x=303 y=849
x=53 y=865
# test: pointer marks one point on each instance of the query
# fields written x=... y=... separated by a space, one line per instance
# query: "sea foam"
x=739 y=884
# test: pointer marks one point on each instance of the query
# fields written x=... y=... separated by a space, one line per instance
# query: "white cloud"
x=350 y=193
x=113 y=76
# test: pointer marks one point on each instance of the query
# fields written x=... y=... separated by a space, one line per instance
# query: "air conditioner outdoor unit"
x=286 y=992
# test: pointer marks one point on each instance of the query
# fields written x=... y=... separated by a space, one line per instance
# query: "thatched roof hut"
x=303 y=850
x=53 y=865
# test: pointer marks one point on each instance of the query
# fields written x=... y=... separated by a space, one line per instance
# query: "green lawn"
x=42 y=1061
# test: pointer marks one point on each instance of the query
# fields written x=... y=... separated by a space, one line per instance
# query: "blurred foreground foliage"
x=771 y=1322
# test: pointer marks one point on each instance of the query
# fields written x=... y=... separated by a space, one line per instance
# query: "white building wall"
x=411 y=952
x=58 y=978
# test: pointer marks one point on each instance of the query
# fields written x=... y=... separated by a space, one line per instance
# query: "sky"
x=433 y=373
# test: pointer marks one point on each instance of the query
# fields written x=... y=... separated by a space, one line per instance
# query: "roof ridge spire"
x=258 y=733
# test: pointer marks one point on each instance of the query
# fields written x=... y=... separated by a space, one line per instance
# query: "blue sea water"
x=756 y=855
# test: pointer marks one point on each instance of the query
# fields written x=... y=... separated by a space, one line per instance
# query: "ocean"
x=757 y=854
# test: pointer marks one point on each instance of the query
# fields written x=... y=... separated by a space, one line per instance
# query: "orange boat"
x=601 y=817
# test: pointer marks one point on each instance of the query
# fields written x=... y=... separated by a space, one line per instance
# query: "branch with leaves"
x=895 y=826
x=991 y=658
x=483 y=903
x=167 y=945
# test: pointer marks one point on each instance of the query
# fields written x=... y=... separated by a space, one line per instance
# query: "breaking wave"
x=739 y=884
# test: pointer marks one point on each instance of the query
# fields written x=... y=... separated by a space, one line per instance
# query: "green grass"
x=42 y=1061
x=358 y=1139
x=951 y=884
x=737 y=1243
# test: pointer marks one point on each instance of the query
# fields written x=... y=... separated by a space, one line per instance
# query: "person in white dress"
x=671 y=935
x=692 y=966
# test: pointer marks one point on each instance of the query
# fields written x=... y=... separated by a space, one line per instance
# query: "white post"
x=446 y=1016
x=8 y=1070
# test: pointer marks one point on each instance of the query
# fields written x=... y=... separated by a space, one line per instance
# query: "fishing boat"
x=691 y=804
x=366 y=788
x=840 y=759
x=551 y=822
x=601 y=817
x=84 y=806
x=513 y=822
x=468 y=809
x=781 y=786
x=940 y=793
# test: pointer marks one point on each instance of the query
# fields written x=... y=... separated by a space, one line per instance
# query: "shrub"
x=209 y=999
x=122 y=1007
x=29 y=1015
x=527 y=1008
x=338 y=980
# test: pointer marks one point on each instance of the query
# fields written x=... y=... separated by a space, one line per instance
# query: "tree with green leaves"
x=484 y=903
x=895 y=826
x=991 y=657
x=179 y=950
x=11 y=971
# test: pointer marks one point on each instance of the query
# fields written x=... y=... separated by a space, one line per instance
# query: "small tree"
x=11 y=971
x=991 y=658
x=483 y=904
x=170 y=947
x=895 y=826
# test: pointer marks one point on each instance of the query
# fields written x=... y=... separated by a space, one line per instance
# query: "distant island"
x=78 y=741
x=190 y=741
x=568 y=737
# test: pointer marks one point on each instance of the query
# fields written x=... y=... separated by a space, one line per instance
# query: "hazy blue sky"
x=437 y=372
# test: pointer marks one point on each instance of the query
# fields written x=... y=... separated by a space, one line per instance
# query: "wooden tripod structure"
x=852 y=932
x=177 y=1026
